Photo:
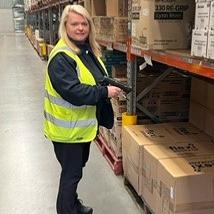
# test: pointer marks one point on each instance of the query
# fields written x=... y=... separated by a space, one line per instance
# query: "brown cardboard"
x=131 y=173
x=162 y=24
x=197 y=114
x=49 y=49
x=134 y=138
x=182 y=131
x=202 y=118
x=154 y=153
x=210 y=97
x=87 y=5
x=112 y=29
x=116 y=145
x=117 y=8
x=202 y=92
x=98 y=8
x=105 y=133
x=185 y=185
x=119 y=71
x=209 y=121
x=199 y=43
x=198 y=91
x=169 y=99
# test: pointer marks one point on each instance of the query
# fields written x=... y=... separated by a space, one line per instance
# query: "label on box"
x=199 y=43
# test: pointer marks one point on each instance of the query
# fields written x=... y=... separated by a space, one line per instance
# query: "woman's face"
x=77 y=27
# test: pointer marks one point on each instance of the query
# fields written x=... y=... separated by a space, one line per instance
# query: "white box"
x=202 y=15
x=199 y=43
x=162 y=24
x=211 y=24
x=210 y=45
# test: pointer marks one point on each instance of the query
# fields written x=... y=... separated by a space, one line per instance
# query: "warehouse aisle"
x=29 y=172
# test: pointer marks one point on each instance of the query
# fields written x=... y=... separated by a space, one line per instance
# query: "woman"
x=75 y=103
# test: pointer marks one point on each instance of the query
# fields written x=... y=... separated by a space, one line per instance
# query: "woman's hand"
x=113 y=91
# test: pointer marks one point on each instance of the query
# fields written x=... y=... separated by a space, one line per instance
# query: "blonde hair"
x=63 y=33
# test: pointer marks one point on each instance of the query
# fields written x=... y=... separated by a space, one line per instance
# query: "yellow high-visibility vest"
x=65 y=122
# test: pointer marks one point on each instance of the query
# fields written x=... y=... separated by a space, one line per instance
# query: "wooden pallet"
x=139 y=200
x=114 y=162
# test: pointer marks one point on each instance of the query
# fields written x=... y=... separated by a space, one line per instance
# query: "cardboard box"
x=209 y=121
x=98 y=8
x=49 y=49
x=134 y=138
x=167 y=108
x=130 y=172
x=185 y=185
x=88 y=5
x=199 y=43
x=120 y=29
x=105 y=133
x=154 y=153
x=210 y=44
x=198 y=91
x=211 y=23
x=171 y=23
x=112 y=29
x=202 y=118
x=116 y=145
x=117 y=130
x=119 y=71
x=197 y=115
x=168 y=100
x=183 y=131
x=117 y=8
x=210 y=97
x=202 y=92
x=202 y=15
x=96 y=20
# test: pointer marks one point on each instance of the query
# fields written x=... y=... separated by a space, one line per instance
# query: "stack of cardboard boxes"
x=169 y=99
x=112 y=29
x=112 y=23
x=116 y=64
x=202 y=105
x=171 y=166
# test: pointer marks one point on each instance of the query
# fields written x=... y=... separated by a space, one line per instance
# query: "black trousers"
x=72 y=158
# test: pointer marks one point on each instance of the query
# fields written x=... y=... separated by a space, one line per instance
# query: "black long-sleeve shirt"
x=63 y=76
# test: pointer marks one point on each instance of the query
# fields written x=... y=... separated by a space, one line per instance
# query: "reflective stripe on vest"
x=69 y=124
x=61 y=102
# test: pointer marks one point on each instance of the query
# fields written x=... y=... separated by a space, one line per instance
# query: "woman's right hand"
x=113 y=91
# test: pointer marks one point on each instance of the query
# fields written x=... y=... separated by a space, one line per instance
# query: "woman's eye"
x=74 y=24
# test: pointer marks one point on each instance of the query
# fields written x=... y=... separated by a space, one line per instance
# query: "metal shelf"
x=180 y=59
x=54 y=3
x=120 y=47
x=113 y=45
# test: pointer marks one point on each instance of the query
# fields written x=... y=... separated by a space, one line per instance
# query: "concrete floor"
x=29 y=173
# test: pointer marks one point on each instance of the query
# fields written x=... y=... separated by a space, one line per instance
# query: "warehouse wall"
x=6 y=23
